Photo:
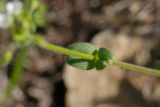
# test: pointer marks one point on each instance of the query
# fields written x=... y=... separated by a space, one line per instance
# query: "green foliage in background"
x=23 y=28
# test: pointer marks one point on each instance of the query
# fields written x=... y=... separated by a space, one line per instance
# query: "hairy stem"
x=136 y=68
x=43 y=44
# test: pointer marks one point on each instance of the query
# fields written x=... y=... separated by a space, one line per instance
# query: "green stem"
x=17 y=70
x=43 y=44
x=136 y=68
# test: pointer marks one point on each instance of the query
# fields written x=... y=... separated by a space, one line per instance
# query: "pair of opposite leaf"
x=102 y=57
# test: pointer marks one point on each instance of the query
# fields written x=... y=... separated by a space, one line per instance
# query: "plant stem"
x=136 y=68
x=62 y=50
x=43 y=44
x=17 y=70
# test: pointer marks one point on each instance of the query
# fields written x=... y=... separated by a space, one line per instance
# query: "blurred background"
x=129 y=28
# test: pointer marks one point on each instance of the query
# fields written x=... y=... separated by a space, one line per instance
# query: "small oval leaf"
x=99 y=65
x=104 y=54
x=78 y=62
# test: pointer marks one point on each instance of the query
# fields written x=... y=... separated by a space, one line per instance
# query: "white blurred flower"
x=12 y=8
x=3 y=21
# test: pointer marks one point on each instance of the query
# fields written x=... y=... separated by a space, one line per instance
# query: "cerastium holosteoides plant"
x=81 y=55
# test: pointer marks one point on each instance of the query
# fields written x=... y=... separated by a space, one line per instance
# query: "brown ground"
x=69 y=21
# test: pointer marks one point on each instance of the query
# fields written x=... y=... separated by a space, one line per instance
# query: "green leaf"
x=104 y=54
x=78 y=62
x=38 y=15
x=8 y=55
x=99 y=65
x=34 y=5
